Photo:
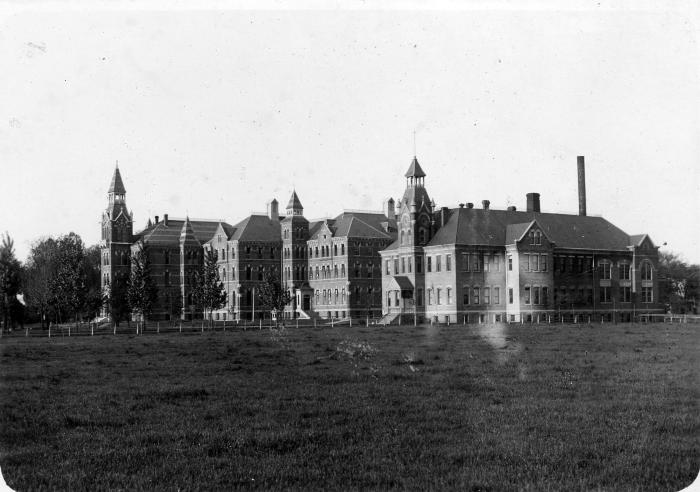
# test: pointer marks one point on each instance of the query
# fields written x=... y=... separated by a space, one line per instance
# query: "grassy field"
x=487 y=407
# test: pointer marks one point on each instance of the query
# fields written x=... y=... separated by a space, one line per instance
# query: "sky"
x=212 y=112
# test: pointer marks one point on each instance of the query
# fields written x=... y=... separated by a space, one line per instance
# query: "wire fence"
x=205 y=326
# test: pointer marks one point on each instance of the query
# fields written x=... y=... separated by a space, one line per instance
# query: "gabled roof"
x=356 y=225
x=638 y=239
x=256 y=228
x=414 y=170
x=294 y=202
x=516 y=232
x=490 y=228
x=117 y=186
x=161 y=234
x=187 y=234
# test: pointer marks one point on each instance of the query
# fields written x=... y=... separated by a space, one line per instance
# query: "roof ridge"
x=372 y=227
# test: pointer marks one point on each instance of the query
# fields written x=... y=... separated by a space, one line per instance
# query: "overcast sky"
x=214 y=112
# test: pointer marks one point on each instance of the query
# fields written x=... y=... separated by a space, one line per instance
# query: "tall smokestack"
x=581 y=186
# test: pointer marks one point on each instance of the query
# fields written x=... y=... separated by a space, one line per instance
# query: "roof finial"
x=414 y=143
x=117 y=163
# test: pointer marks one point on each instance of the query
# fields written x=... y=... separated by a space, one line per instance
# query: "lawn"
x=478 y=407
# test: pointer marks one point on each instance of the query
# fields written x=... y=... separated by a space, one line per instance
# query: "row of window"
x=326 y=272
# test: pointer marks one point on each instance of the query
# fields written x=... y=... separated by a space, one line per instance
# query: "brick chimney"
x=273 y=210
x=533 y=202
x=581 y=185
x=389 y=210
x=470 y=205
x=485 y=204
x=156 y=219
x=443 y=216
x=165 y=219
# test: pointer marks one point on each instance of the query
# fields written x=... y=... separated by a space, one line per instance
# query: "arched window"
x=335 y=271
x=646 y=271
x=403 y=238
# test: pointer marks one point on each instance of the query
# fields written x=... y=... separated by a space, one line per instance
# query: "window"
x=430 y=297
x=527 y=294
x=335 y=249
x=543 y=263
x=410 y=263
x=562 y=264
x=430 y=264
x=536 y=295
x=342 y=249
x=449 y=295
x=487 y=295
x=510 y=296
x=475 y=262
x=646 y=272
x=396 y=266
x=545 y=295
x=465 y=262
x=343 y=295
x=510 y=263
x=605 y=294
x=496 y=295
x=624 y=271
x=604 y=267
x=439 y=296
x=248 y=273
x=419 y=297
x=335 y=271
x=342 y=270
x=317 y=276
x=396 y=297
x=497 y=262
x=448 y=264
x=647 y=295
x=388 y=267
x=419 y=264
x=475 y=295
x=370 y=270
x=626 y=294
x=487 y=260
x=388 y=298
x=532 y=237
x=535 y=263
x=465 y=295
x=438 y=263
x=403 y=264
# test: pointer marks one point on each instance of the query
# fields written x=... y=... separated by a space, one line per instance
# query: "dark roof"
x=498 y=227
x=170 y=235
x=294 y=202
x=414 y=170
x=356 y=224
x=256 y=228
x=636 y=239
x=415 y=194
x=117 y=185
x=187 y=233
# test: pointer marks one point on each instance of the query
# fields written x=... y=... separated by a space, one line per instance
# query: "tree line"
x=61 y=282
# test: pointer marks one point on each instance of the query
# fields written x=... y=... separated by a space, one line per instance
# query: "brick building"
x=468 y=264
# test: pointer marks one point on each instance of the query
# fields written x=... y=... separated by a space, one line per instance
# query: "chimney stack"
x=485 y=204
x=273 y=210
x=165 y=219
x=581 y=186
x=533 y=202
x=461 y=205
x=470 y=205
x=389 y=210
x=512 y=208
x=443 y=216
x=156 y=219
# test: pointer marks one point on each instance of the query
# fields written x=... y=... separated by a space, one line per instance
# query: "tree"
x=679 y=283
x=141 y=291
x=271 y=295
x=68 y=282
x=38 y=276
x=116 y=302
x=209 y=292
x=94 y=298
x=10 y=280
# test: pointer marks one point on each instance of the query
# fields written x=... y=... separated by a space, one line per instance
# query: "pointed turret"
x=414 y=170
x=294 y=206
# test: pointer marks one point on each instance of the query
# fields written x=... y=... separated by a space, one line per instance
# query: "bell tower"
x=415 y=209
x=117 y=235
x=295 y=233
